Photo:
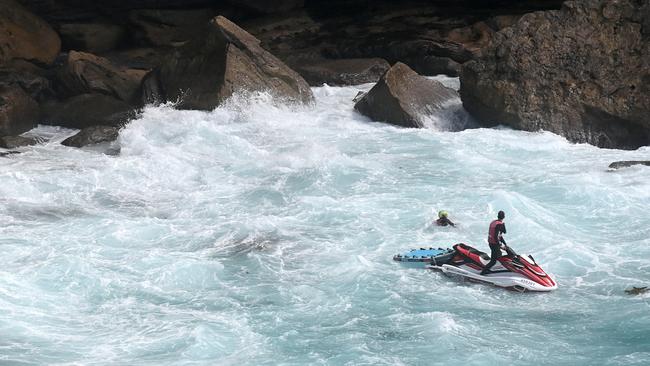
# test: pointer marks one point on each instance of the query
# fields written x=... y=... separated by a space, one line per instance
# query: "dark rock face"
x=402 y=97
x=91 y=37
x=230 y=60
x=343 y=71
x=29 y=77
x=25 y=36
x=625 y=164
x=86 y=73
x=87 y=110
x=92 y=135
x=582 y=72
x=12 y=142
x=161 y=27
x=18 y=111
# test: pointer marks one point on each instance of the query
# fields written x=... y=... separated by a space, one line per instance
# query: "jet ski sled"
x=512 y=271
x=424 y=256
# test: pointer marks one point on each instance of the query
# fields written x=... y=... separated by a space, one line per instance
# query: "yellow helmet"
x=442 y=214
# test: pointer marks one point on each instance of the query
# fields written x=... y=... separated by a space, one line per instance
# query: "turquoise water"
x=263 y=235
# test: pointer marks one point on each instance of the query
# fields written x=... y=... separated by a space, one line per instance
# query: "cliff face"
x=582 y=72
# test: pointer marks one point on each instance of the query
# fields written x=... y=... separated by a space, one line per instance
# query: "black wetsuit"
x=444 y=221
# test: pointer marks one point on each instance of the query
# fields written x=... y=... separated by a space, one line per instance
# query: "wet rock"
x=91 y=37
x=87 y=110
x=229 y=60
x=402 y=97
x=628 y=163
x=268 y=7
x=92 y=135
x=637 y=290
x=84 y=73
x=581 y=72
x=343 y=72
x=12 y=142
x=18 y=111
x=8 y=153
x=25 y=36
x=151 y=90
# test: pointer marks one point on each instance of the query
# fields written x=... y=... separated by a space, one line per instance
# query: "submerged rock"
x=637 y=290
x=18 y=111
x=628 y=163
x=25 y=36
x=343 y=72
x=12 y=142
x=581 y=72
x=92 y=135
x=201 y=75
x=402 y=97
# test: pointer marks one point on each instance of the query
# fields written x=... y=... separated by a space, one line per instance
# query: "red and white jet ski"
x=512 y=271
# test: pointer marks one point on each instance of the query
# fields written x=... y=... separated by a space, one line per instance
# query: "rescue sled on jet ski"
x=512 y=271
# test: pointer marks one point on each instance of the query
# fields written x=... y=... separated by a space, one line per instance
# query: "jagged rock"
x=87 y=110
x=402 y=97
x=92 y=135
x=4 y=154
x=91 y=37
x=160 y=27
x=85 y=73
x=25 y=36
x=343 y=72
x=637 y=290
x=151 y=89
x=434 y=65
x=625 y=164
x=229 y=60
x=581 y=72
x=18 y=111
x=12 y=142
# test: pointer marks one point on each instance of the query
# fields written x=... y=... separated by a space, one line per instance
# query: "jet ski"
x=512 y=271
x=424 y=257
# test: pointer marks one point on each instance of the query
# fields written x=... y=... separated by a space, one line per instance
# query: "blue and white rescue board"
x=424 y=257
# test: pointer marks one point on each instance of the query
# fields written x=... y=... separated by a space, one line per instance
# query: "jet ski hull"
x=512 y=271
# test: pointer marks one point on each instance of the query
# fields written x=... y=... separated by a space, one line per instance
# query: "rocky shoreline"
x=579 y=69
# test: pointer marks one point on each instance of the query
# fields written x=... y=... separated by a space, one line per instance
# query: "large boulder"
x=582 y=72
x=92 y=135
x=18 y=111
x=12 y=142
x=628 y=163
x=343 y=72
x=25 y=36
x=229 y=60
x=84 y=73
x=404 y=98
x=87 y=110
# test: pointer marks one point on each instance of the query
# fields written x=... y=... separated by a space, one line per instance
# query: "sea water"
x=262 y=234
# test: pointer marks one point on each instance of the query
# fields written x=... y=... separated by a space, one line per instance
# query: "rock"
x=402 y=97
x=625 y=164
x=18 y=111
x=92 y=135
x=25 y=36
x=84 y=73
x=229 y=60
x=12 y=142
x=4 y=154
x=581 y=72
x=434 y=65
x=160 y=27
x=27 y=76
x=87 y=110
x=637 y=290
x=91 y=37
x=151 y=89
x=343 y=72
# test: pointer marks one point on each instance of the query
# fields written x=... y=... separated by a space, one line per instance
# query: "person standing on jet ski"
x=443 y=220
x=495 y=239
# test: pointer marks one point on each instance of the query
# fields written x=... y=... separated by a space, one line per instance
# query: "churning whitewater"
x=260 y=234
